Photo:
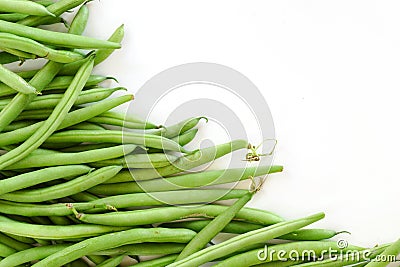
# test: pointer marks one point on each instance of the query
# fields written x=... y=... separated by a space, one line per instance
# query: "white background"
x=329 y=71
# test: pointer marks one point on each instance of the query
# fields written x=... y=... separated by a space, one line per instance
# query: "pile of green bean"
x=84 y=185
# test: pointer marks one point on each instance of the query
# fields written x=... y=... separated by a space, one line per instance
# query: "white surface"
x=330 y=73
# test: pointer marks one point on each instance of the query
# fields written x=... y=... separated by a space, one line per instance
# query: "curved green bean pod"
x=6 y=250
x=230 y=246
x=51 y=100
x=24 y=7
x=30 y=46
x=236 y=227
x=55 y=38
x=310 y=249
x=115 y=240
x=59 y=158
x=214 y=227
x=181 y=127
x=112 y=262
x=158 y=262
x=70 y=119
x=53 y=122
x=40 y=176
x=166 y=214
x=80 y=20
x=186 y=137
x=111 y=136
x=190 y=180
x=154 y=160
x=71 y=187
x=57 y=8
x=54 y=232
x=15 y=82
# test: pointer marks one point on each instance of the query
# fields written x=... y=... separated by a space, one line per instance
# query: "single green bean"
x=97 y=259
x=213 y=228
x=250 y=238
x=144 y=249
x=191 y=180
x=53 y=122
x=111 y=136
x=236 y=227
x=55 y=38
x=70 y=119
x=307 y=250
x=12 y=17
x=40 y=176
x=18 y=125
x=181 y=127
x=85 y=126
x=21 y=54
x=24 y=7
x=31 y=254
x=155 y=160
x=15 y=82
x=12 y=243
x=80 y=21
x=158 y=262
x=126 y=124
x=391 y=251
x=84 y=147
x=54 y=232
x=186 y=137
x=30 y=46
x=166 y=214
x=71 y=187
x=59 y=158
x=57 y=220
x=22 y=239
x=6 y=58
x=112 y=262
x=115 y=240
x=51 y=100
x=57 y=8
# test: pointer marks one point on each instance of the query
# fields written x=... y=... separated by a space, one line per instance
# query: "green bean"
x=83 y=197
x=24 y=7
x=155 y=160
x=55 y=38
x=144 y=249
x=80 y=20
x=186 y=137
x=74 y=186
x=187 y=162
x=59 y=158
x=59 y=82
x=40 y=176
x=30 y=46
x=391 y=251
x=53 y=122
x=54 y=232
x=85 y=126
x=126 y=124
x=166 y=214
x=253 y=237
x=236 y=227
x=70 y=119
x=78 y=263
x=304 y=250
x=57 y=220
x=111 y=136
x=101 y=54
x=21 y=54
x=6 y=58
x=84 y=147
x=181 y=127
x=11 y=111
x=15 y=82
x=115 y=240
x=214 y=227
x=6 y=250
x=97 y=259
x=12 y=243
x=12 y=17
x=279 y=263
x=57 y=8
x=158 y=262
x=22 y=239
x=51 y=100
x=18 y=125
x=31 y=254
x=112 y=262
x=190 y=180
